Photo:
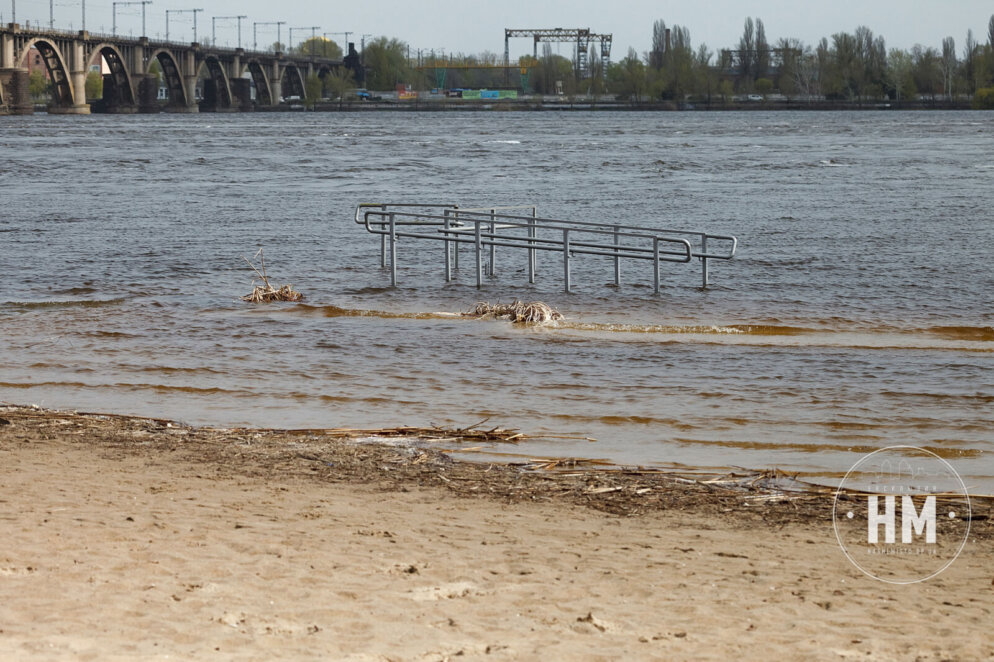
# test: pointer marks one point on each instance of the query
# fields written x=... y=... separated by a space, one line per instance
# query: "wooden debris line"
x=517 y=312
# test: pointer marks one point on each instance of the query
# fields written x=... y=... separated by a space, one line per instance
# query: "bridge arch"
x=292 y=82
x=63 y=94
x=263 y=93
x=172 y=74
x=122 y=92
x=222 y=86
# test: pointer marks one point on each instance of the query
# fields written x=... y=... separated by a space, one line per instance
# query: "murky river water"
x=857 y=314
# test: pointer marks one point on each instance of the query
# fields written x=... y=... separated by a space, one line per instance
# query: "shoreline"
x=132 y=537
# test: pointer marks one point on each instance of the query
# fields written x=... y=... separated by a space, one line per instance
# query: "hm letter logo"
x=911 y=519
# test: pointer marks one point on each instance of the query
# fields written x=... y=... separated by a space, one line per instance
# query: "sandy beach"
x=127 y=538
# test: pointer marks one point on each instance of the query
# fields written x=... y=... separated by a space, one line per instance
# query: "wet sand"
x=130 y=539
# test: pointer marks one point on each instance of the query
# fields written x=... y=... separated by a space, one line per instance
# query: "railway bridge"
x=229 y=74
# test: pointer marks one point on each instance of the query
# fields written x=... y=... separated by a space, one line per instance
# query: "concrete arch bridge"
x=229 y=75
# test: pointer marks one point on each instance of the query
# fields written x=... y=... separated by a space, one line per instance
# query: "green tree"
x=312 y=90
x=926 y=68
x=386 y=63
x=726 y=90
x=94 y=86
x=764 y=86
x=901 y=80
x=337 y=84
x=632 y=77
x=319 y=47
x=554 y=72
x=984 y=99
x=38 y=86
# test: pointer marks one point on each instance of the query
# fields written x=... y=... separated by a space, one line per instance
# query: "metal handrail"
x=488 y=227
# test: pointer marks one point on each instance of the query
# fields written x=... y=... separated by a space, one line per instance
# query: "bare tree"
x=658 y=44
x=969 y=62
x=949 y=63
x=762 y=59
x=747 y=47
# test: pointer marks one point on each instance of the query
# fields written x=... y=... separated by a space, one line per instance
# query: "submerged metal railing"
x=507 y=227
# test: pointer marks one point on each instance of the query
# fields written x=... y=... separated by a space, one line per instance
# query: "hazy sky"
x=473 y=27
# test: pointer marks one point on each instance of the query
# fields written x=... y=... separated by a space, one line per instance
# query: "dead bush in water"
x=267 y=293
x=516 y=312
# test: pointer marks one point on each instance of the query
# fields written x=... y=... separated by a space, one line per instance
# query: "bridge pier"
x=275 y=86
x=148 y=94
x=16 y=95
x=241 y=95
x=189 y=82
x=77 y=75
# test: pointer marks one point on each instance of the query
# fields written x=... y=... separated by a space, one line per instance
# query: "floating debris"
x=269 y=293
x=516 y=312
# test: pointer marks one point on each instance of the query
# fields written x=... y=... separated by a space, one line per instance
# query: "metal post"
x=566 y=259
x=479 y=255
x=655 y=264
x=113 y=29
x=13 y=11
x=84 y=16
x=214 y=31
x=617 y=257
x=255 y=42
x=393 y=252
x=448 y=257
x=493 y=246
x=195 y=23
x=240 y=29
x=531 y=251
x=51 y=14
x=383 y=246
x=455 y=248
x=704 y=261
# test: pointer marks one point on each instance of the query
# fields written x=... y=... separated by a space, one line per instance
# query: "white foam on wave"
x=505 y=142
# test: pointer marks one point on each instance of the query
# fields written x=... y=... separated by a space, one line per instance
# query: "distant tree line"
x=852 y=67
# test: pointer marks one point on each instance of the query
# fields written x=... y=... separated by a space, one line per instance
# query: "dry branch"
x=267 y=293
x=517 y=312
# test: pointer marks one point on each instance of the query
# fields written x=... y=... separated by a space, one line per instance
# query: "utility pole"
x=347 y=33
x=255 y=43
x=345 y=51
x=125 y=4
x=362 y=54
x=84 y=16
x=221 y=18
x=312 y=29
x=51 y=14
x=195 y=23
x=183 y=11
